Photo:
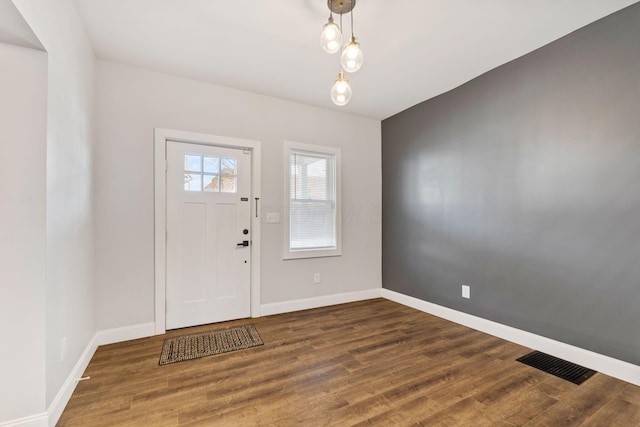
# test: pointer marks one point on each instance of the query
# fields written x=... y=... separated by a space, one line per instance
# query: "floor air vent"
x=560 y=368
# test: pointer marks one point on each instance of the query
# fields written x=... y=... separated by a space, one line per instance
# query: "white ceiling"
x=414 y=49
x=14 y=29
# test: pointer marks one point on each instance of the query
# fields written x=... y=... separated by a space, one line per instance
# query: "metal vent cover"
x=560 y=368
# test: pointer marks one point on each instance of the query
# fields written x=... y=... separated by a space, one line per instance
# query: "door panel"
x=208 y=273
x=194 y=250
x=226 y=273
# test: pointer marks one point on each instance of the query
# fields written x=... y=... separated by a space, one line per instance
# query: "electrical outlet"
x=63 y=349
x=466 y=291
x=316 y=278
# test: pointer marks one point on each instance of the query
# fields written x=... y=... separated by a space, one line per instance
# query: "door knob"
x=244 y=243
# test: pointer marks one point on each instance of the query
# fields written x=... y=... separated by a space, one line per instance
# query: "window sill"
x=311 y=254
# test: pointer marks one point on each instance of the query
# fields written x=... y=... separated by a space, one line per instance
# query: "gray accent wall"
x=524 y=183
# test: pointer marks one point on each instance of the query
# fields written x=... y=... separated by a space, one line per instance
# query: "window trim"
x=290 y=146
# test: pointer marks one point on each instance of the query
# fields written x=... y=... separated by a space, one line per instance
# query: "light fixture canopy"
x=352 y=57
x=341 y=90
x=341 y=6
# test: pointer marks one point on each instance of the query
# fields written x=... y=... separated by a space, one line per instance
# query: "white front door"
x=208 y=234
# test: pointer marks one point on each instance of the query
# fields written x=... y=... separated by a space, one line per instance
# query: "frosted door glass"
x=192 y=163
x=211 y=183
x=211 y=165
x=229 y=184
x=192 y=182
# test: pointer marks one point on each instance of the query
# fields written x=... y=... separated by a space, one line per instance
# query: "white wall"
x=69 y=176
x=23 y=100
x=131 y=102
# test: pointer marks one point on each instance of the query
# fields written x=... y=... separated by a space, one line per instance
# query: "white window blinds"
x=312 y=201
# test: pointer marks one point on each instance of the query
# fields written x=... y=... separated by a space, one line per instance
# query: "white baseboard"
x=51 y=417
x=39 y=420
x=64 y=394
x=607 y=365
x=322 y=301
x=126 y=333
x=108 y=336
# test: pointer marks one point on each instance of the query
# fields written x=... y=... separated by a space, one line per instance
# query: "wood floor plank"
x=369 y=363
x=617 y=413
x=594 y=393
x=520 y=408
x=560 y=414
x=631 y=394
x=467 y=412
x=556 y=388
x=514 y=384
x=405 y=412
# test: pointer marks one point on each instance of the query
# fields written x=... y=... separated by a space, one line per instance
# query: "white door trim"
x=160 y=207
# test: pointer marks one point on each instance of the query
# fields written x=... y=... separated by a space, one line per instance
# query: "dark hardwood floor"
x=366 y=363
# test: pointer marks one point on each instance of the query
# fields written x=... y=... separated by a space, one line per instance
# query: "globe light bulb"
x=352 y=57
x=341 y=91
x=331 y=37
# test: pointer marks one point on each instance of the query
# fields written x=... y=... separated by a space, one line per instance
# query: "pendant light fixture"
x=331 y=37
x=351 y=57
x=341 y=90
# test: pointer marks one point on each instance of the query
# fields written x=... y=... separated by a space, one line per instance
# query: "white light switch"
x=273 y=217
x=466 y=291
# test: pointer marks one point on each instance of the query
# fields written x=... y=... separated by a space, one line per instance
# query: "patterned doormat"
x=194 y=346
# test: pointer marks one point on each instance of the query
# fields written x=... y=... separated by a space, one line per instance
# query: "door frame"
x=161 y=136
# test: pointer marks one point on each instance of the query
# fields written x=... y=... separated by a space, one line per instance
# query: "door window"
x=214 y=174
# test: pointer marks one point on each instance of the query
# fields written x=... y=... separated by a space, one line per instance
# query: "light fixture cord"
x=330 y=10
x=351 y=13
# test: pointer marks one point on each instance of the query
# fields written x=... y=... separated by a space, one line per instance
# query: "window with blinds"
x=313 y=189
